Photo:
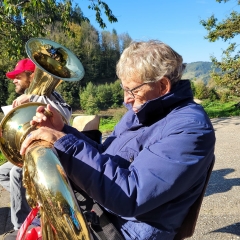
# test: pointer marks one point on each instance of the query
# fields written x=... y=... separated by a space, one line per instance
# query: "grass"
x=107 y=124
x=2 y=159
x=216 y=109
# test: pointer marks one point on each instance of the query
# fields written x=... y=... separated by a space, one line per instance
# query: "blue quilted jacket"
x=152 y=167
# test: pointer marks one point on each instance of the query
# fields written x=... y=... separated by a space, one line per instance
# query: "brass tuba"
x=43 y=176
x=54 y=63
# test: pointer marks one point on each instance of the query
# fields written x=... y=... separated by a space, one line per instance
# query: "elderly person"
x=153 y=166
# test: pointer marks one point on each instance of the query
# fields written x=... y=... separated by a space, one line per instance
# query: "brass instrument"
x=43 y=175
x=54 y=63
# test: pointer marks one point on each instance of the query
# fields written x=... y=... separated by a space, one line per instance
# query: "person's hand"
x=48 y=117
x=42 y=133
x=24 y=98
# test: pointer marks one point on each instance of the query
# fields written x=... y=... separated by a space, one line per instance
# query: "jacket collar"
x=155 y=109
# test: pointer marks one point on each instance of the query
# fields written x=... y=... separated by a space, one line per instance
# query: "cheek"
x=155 y=93
x=148 y=96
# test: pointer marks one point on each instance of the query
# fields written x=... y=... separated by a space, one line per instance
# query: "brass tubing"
x=53 y=192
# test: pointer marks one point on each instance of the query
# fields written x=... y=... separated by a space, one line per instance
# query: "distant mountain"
x=198 y=70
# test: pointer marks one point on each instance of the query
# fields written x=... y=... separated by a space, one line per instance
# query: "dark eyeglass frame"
x=130 y=91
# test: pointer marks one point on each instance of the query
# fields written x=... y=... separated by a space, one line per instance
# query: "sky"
x=174 y=22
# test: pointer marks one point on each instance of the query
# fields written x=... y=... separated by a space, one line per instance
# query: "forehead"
x=131 y=83
x=20 y=75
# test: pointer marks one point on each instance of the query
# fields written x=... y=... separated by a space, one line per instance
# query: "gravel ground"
x=220 y=212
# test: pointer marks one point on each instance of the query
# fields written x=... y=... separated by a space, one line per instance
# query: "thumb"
x=52 y=110
x=57 y=119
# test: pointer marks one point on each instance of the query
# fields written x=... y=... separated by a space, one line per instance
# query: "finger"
x=40 y=109
x=40 y=116
x=14 y=103
x=47 y=113
x=44 y=113
x=35 y=119
x=33 y=122
x=53 y=110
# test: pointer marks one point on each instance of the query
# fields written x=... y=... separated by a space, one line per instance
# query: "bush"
x=102 y=97
x=1 y=116
x=200 y=90
x=2 y=159
x=224 y=97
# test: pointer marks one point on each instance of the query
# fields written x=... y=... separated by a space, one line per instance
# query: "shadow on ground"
x=218 y=183
x=233 y=229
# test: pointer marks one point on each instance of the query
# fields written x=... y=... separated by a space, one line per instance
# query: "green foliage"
x=70 y=93
x=2 y=159
x=230 y=75
x=200 y=90
x=203 y=91
x=107 y=124
x=216 y=109
x=212 y=94
x=22 y=20
x=227 y=29
x=11 y=93
x=224 y=97
x=97 y=8
x=4 y=88
x=98 y=57
x=101 y=97
x=88 y=99
x=1 y=116
x=98 y=52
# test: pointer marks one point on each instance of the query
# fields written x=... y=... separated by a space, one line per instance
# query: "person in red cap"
x=22 y=75
x=11 y=175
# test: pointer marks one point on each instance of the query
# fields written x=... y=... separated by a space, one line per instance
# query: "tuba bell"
x=54 y=63
x=44 y=178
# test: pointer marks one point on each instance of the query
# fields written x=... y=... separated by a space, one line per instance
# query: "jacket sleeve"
x=166 y=169
x=57 y=103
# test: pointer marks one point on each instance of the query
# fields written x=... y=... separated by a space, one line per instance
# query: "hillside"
x=198 y=70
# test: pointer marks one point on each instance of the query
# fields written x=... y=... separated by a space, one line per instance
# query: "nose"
x=128 y=98
x=15 y=80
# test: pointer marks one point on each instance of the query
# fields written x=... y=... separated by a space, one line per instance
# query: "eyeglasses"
x=131 y=91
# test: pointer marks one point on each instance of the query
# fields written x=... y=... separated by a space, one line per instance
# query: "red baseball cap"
x=23 y=65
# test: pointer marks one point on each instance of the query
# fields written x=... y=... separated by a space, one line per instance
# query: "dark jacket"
x=152 y=167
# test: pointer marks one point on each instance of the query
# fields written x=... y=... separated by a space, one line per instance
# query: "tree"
x=12 y=95
x=4 y=88
x=125 y=41
x=22 y=20
x=227 y=29
x=200 y=90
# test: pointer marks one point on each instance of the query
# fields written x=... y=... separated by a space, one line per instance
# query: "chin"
x=135 y=109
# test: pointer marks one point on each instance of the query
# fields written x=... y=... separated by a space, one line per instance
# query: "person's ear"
x=31 y=76
x=165 y=86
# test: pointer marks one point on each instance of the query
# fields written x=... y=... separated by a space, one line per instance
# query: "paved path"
x=220 y=212
x=219 y=217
